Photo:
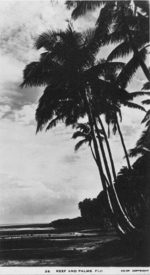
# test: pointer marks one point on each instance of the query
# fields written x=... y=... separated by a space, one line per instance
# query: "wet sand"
x=60 y=248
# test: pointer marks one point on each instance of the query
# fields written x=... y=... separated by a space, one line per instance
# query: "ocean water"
x=25 y=228
x=24 y=231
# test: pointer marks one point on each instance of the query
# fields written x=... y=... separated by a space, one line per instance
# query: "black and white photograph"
x=74 y=137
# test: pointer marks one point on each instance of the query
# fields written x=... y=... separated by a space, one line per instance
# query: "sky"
x=42 y=178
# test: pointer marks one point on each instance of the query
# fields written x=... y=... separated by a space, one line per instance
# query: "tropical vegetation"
x=80 y=85
x=94 y=211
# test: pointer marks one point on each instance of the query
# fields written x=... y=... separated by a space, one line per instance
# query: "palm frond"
x=113 y=38
x=70 y=4
x=90 y=43
x=114 y=129
x=130 y=68
x=81 y=7
x=40 y=73
x=49 y=106
x=133 y=105
x=105 y=19
x=47 y=40
x=78 y=134
x=144 y=140
x=54 y=122
x=135 y=152
x=80 y=143
x=121 y=50
x=119 y=113
x=85 y=127
x=147 y=117
x=138 y=93
x=101 y=68
x=147 y=123
x=146 y=86
x=147 y=101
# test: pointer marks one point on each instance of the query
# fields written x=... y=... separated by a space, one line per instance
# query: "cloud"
x=71 y=159
x=21 y=23
x=4 y=110
x=34 y=203
x=11 y=71
x=34 y=170
x=18 y=34
x=19 y=30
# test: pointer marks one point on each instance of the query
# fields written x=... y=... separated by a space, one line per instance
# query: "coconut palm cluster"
x=80 y=85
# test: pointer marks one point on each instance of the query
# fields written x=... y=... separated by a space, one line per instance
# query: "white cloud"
x=21 y=22
x=31 y=201
x=3 y=110
x=26 y=115
x=11 y=71
x=34 y=173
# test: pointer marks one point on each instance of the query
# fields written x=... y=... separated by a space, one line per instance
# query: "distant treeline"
x=133 y=191
x=94 y=211
x=78 y=222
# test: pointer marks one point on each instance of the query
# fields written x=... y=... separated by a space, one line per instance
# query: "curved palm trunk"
x=108 y=148
x=103 y=153
x=123 y=144
x=119 y=229
x=117 y=221
x=97 y=155
x=93 y=154
x=121 y=212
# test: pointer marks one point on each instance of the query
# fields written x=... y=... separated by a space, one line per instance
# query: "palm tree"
x=124 y=24
x=71 y=72
x=65 y=67
x=116 y=99
x=143 y=144
x=84 y=132
x=132 y=32
x=121 y=17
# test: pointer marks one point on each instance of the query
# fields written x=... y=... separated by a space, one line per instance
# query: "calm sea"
x=24 y=230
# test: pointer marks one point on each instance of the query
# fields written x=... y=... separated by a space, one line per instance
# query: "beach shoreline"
x=65 y=247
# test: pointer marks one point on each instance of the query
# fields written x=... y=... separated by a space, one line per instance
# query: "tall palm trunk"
x=122 y=215
x=123 y=144
x=122 y=229
x=98 y=158
x=103 y=152
x=113 y=170
x=108 y=148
